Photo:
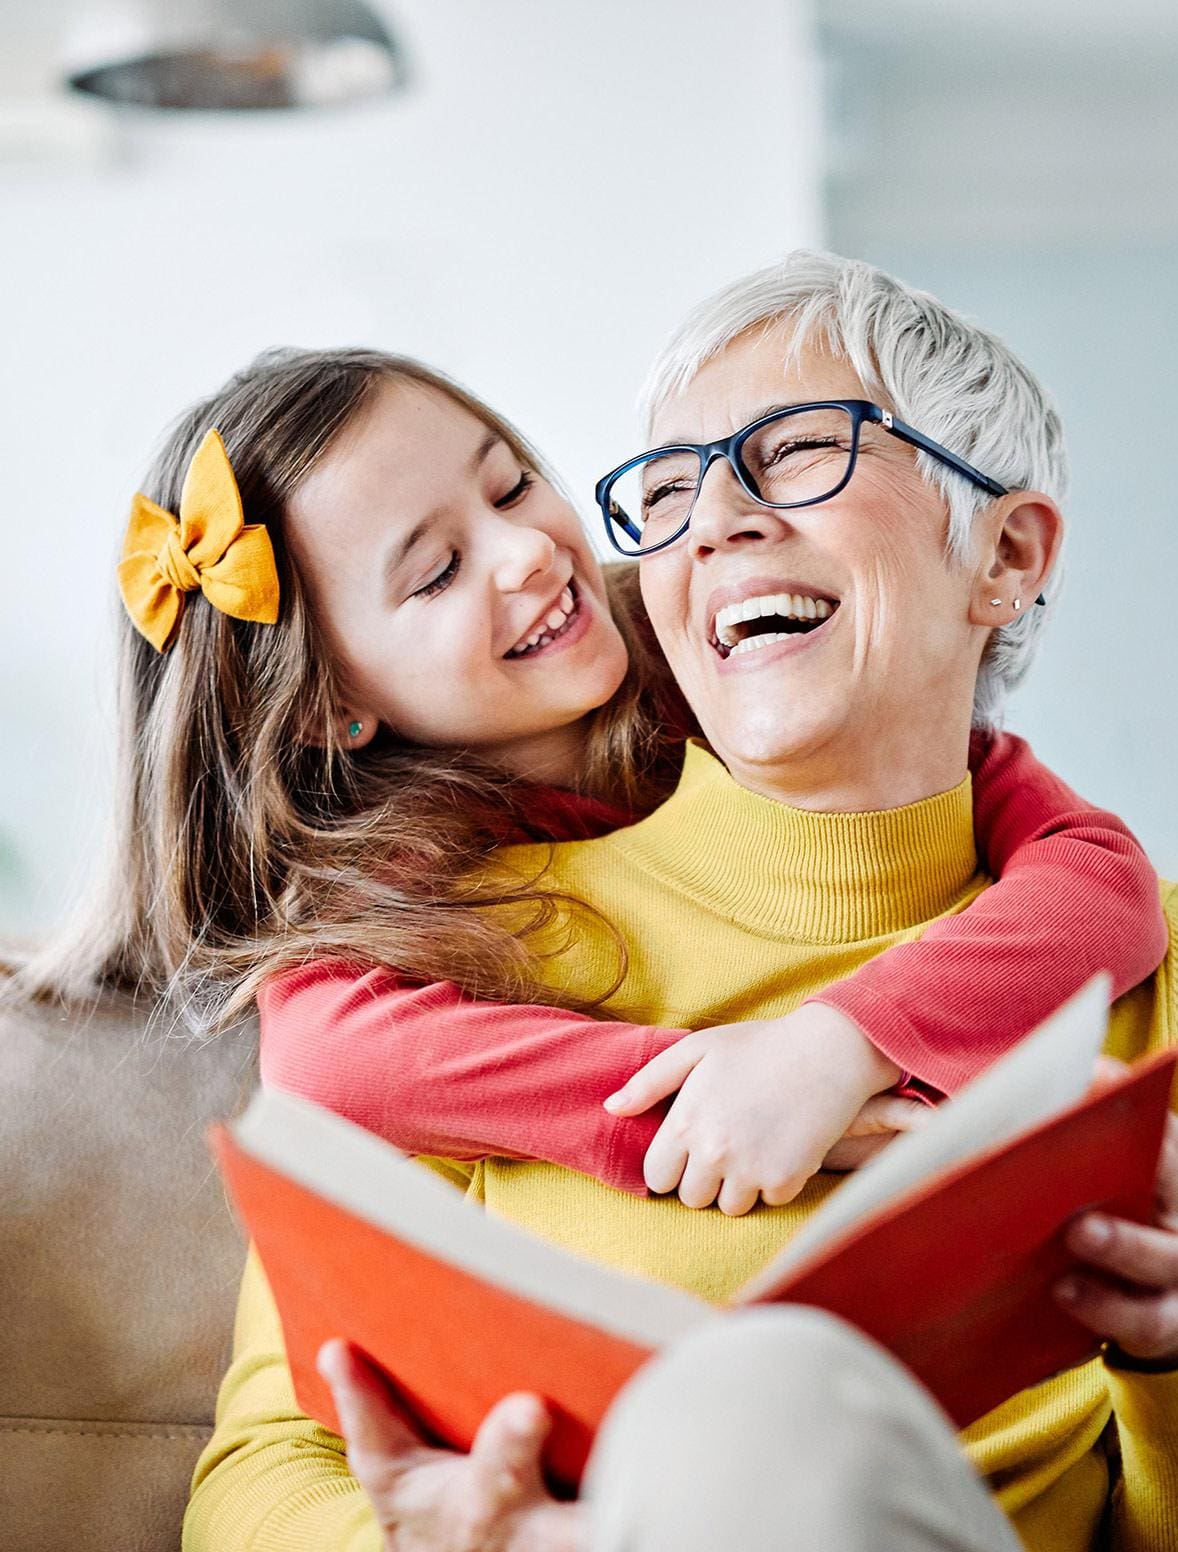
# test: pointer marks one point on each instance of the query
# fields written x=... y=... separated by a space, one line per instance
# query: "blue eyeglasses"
x=794 y=457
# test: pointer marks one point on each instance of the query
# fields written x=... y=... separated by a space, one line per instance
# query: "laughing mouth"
x=555 y=624
x=758 y=622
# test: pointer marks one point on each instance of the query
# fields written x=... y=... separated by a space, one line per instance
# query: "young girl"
x=432 y=668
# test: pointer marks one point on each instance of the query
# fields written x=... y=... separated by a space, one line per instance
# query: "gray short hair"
x=932 y=367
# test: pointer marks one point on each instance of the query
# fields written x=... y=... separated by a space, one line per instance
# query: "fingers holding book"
x=492 y=1500
x=1128 y=1289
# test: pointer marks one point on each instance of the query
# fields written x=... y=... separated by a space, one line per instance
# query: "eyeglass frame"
x=729 y=449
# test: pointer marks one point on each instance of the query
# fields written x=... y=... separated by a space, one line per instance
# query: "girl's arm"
x=435 y=1072
x=1075 y=894
x=758 y=1106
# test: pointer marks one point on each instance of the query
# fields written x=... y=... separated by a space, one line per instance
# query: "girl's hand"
x=429 y=1500
x=1130 y=1294
x=759 y=1105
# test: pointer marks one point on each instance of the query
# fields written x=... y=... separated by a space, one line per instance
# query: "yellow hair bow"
x=209 y=547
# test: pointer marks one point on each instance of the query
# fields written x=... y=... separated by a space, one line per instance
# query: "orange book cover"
x=938 y=1250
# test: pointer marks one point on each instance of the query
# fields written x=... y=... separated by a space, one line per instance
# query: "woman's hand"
x=1129 y=1292
x=428 y=1500
x=759 y=1106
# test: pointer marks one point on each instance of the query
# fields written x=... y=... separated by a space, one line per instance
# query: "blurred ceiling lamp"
x=245 y=54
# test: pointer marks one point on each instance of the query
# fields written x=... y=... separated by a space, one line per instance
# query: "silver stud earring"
x=996 y=602
x=1018 y=603
x=355 y=729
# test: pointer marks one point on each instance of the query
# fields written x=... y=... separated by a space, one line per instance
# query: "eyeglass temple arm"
x=914 y=438
x=613 y=512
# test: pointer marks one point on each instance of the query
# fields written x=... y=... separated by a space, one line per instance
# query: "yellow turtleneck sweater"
x=731 y=907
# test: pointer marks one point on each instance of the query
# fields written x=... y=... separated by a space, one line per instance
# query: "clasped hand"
x=762 y=1105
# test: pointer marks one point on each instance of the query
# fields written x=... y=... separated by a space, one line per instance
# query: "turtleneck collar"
x=810 y=877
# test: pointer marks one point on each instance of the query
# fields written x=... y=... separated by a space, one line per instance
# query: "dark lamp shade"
x=253 y=56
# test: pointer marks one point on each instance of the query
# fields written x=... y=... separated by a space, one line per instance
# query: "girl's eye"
x=518 y=491
x=442 y=580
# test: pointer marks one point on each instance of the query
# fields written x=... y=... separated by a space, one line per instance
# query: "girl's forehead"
x=410 y=416
x=410 y=441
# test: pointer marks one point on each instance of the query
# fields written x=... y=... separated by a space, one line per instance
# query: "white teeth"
x=795 y=606
x=754 y=643
x=556 y=617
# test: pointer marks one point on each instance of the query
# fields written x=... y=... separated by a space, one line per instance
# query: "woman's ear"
x=1020 y=540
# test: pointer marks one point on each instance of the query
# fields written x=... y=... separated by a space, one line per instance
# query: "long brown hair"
x=246 y=839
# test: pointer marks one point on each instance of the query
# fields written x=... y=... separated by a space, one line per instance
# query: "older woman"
x=848 y=515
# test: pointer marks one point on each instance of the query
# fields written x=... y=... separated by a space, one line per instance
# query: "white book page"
x=1045 y=1073
x=363 y=1174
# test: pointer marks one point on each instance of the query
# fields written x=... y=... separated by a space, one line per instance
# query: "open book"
x=944 y=1249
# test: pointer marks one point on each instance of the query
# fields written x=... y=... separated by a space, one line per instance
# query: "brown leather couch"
x=119 y=1265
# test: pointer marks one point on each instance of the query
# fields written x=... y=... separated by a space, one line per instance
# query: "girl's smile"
x=562 y=625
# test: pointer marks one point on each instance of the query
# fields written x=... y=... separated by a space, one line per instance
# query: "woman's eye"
x=518 y=491
x=671 y=494
x=801 y=445
x=443 y=579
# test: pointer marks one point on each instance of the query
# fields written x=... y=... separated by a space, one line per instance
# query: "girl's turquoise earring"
x=355 y=729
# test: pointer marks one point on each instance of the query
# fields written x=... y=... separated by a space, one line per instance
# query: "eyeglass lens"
x=801 y=457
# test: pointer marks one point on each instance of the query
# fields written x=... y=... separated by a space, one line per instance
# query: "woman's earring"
x=996 y=602
x=355 y=729
x=1018 y=603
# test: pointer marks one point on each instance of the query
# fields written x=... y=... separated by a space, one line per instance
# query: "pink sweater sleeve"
x=434 y=1072
x=1076 y=894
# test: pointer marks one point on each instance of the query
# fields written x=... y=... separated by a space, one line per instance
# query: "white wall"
x=561 y=183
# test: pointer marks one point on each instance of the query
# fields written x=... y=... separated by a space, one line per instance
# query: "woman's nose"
x=520 y=553
x=725 y=514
